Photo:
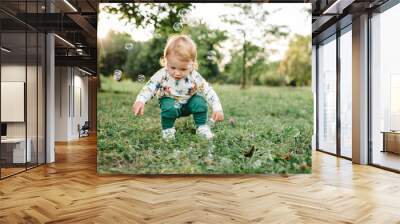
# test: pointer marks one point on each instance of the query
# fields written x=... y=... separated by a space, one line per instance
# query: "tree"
x=256 y=64
x=208 y=43
x=254 y=14
x=161 y=17
x=296 y=65
x=144 y=57
x=113 y=53
x=269 y=75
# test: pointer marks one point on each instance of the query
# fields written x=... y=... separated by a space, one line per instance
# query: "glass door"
x=14 y=153
x=385 y=89
x=327 y=95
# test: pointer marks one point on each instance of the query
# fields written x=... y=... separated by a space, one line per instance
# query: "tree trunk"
x=243 y=80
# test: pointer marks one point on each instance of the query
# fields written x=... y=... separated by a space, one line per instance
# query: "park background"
x=258 y=63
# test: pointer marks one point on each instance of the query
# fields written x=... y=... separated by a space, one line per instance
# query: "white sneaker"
x=168 y=134
x=205 y=131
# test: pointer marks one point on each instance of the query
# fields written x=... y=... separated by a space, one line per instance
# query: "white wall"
x=62 y=81
x=80 y=83
x=70 y=84
x=13 y=73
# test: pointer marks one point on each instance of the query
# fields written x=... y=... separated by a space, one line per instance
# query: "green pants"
x=171 y=110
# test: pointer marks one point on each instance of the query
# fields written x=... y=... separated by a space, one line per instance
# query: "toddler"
x=181 y=90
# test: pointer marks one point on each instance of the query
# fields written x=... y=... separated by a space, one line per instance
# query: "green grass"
x=274 y=122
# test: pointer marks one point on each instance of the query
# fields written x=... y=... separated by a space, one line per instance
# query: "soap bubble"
x=177 y=105
x=157 y=35
x=185 y=19
x=183 y=12
x=141 y=78
x=202 y=36
x=226 y=161
x=211 y=123
x=212 y=56
x=129 y=46
x=176 y=153
x=257 y=164
x=194 y=22
x=211 y=148
x=117 y=75
x=178 y=26
x=163 y=5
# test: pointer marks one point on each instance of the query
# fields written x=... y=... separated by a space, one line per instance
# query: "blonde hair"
x=183 y=47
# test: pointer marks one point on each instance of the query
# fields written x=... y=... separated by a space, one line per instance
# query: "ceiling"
x=74 y=22
x=330 y=15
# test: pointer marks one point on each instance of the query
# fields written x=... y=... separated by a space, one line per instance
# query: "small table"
x=391 y=141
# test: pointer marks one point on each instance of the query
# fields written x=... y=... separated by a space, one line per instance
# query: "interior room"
x=379 y=86
x=48 y=150
x=44 y=81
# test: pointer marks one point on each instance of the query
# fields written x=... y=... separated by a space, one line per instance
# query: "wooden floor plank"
x=70 y=191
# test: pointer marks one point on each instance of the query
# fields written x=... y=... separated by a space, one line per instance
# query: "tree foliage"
x=161 y=17
x=263 y=32
x=208 y=54
x=296 y=65
x=246 y=62
x=113 y=53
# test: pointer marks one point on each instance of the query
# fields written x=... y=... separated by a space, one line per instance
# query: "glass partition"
x=385 y=89
x=327 y=95
x=346 y=92
x=22 y=88
x=14 y=153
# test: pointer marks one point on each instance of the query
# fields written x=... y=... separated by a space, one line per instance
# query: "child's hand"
x=217 y=116
x=138 y=108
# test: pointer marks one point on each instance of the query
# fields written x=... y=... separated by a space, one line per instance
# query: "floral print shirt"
x=164 y=85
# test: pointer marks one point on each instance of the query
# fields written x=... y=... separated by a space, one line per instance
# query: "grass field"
x=266 y=130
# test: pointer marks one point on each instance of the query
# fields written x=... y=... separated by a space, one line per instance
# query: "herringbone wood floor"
x=70 y=191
